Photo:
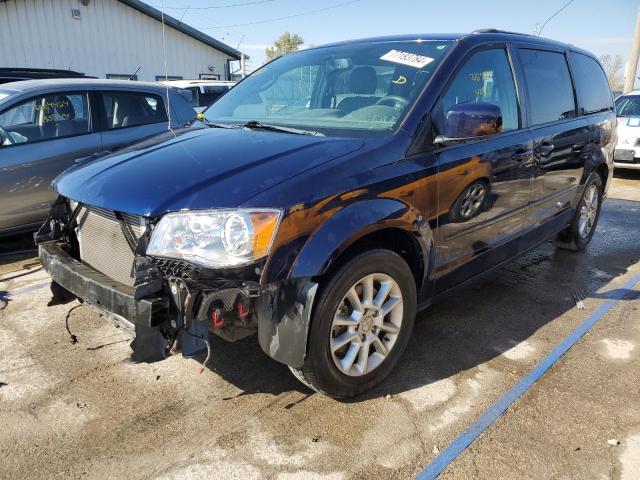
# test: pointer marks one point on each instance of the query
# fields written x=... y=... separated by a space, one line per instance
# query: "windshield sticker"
x=407 y=58
x=634 y=122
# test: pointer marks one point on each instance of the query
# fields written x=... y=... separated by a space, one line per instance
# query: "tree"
x=612 y=66
x=285 y=43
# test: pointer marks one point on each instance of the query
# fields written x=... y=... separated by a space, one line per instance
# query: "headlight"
x=215 y=238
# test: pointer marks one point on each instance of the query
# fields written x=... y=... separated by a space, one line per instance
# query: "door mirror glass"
x=472 y=119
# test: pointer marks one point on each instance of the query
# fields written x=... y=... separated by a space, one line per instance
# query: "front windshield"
x=628 y=106
x=343 y=90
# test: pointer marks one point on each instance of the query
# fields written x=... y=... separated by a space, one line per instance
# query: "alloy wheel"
x=588 y=211
x=473 y=200
x=366 y=325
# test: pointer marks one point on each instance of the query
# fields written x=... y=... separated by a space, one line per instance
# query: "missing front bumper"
x=97 y=289
x=280 y=312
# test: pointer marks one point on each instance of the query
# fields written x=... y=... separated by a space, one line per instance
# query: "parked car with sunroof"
x=627 y=152
x=46 y=125
x=8 y=75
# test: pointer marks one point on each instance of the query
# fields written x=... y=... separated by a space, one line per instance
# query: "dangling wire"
x=72 y=337
x=166 y=72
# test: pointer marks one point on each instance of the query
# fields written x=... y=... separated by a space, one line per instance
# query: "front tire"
x=361 y=325
x=578 y=235
x=471 y=202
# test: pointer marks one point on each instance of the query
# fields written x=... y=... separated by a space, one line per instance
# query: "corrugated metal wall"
x=109 y=37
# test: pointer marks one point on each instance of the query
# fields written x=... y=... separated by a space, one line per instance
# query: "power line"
x=212 y=7
x=549 y=19
x=309 y=12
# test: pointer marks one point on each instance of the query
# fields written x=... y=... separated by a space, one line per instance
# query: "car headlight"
x=215 y=238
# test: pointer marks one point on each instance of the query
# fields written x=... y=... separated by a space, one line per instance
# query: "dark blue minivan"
x=338 y=191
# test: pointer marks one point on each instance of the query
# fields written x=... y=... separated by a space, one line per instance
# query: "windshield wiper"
x=255 y=125
x=219 y=125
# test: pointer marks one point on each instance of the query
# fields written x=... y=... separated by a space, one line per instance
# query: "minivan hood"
x=197 y=169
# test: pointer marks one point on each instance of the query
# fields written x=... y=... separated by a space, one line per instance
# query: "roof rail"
x=496 y=30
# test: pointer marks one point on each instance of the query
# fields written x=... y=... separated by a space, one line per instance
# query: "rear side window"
x=592 y=87
x=549 y=86
x=125 y=109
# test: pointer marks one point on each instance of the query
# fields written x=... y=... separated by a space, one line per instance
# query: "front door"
x=483 y=184
x=44 y=135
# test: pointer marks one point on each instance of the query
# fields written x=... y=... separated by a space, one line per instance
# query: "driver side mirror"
x=470 y=121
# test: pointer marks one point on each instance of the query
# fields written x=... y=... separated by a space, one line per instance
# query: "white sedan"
x=627 y=152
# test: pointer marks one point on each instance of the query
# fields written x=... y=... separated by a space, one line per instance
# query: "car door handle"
x=544 y=150
x=577 y=148
x=521 y=155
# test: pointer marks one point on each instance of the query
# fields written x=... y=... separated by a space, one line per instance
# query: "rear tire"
x=580 y=232
x=354 y=343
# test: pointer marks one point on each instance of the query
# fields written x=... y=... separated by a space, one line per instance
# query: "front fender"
x=285 y=307
x=348 y=225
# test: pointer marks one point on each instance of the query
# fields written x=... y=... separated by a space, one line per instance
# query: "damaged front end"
x=168 y=304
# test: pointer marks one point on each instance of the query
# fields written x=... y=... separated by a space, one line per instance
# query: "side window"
x=292 y=87
x=484 y=78
x=549 y=86
x=47 y=117
x=195 y=96
x=592 y=87
x=126 y=109
x=211 y=95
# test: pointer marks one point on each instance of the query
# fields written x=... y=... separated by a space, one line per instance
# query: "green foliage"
x=285 y=43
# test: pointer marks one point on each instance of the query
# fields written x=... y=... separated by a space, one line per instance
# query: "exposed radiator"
x=103 y=246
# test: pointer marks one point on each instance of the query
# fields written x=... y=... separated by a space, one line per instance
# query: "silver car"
x=45 y=125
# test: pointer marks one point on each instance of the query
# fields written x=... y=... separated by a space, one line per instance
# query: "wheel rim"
x=588 y=211
x=366 y=325
x=472 y=200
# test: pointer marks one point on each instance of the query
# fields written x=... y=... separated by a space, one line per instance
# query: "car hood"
x=628 y=128
x=197 y=169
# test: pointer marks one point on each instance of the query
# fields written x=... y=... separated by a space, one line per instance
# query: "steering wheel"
x=394 y=101
x=5 y=136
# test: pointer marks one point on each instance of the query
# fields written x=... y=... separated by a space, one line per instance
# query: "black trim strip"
x=127 y=232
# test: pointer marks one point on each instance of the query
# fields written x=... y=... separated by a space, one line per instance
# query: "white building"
x=107 y=39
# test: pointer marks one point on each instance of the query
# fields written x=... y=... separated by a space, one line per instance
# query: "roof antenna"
x=539 y=31
x=166 y=74
x=133 y=76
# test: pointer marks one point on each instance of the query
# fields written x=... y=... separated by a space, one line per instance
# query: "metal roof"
x=81 y=83
x=182 y=27
x=477 y=36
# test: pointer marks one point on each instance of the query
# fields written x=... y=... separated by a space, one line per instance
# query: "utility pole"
x=630 y=77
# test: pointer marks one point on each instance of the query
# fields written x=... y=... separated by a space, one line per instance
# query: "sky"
x=601 y=26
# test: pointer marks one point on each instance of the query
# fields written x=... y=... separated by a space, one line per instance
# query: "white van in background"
x=204 y=92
